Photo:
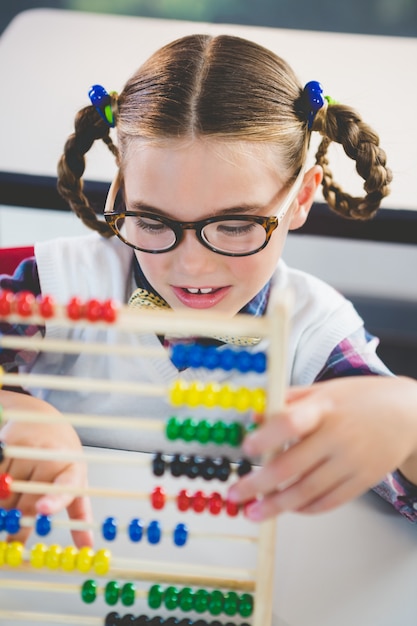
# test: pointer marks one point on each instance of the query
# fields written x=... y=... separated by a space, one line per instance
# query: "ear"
x=305 y=197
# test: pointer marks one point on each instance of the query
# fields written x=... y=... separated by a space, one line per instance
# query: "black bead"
x=156 y=621
x=141 y=620
x=171 y=621
x=194 y=466
x=1 y=451
x=178 y=465
x=112 y=619
x=244 y=467
x=208 y=469
x=201 y=622
x=185 y=622
x=223 y=468
x=158 y=464
x=128 y=619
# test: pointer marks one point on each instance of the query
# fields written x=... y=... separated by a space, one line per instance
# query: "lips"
x=200 y=297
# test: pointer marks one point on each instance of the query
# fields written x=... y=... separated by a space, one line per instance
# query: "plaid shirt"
x=351 y=357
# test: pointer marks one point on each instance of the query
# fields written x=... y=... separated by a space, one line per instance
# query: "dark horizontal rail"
x=389 y=225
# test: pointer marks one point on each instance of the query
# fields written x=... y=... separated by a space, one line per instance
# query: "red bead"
x=6 y=302
x=24 y=303
x=75 y=309
x=215 y=503
x=199 y=501
x=5 y=485
x=184 y=500
x=46 y=306
x=158 y=498
x=232 y=508
x=93 y=310
x=109 y=311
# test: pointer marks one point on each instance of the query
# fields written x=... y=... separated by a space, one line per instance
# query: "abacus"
x=150 y=590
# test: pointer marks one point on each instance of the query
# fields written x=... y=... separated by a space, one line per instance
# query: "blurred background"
x=378 y=17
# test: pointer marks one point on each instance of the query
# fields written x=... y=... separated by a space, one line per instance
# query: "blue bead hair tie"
x=314 y=93
x=101 y=101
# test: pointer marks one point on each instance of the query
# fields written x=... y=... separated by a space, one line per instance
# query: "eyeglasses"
x=230 y=235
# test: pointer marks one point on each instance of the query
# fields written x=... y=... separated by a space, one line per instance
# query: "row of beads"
x=135 y=531
x=55 y=557
x=187 y=599
x=26 y=304
x=112 y=592
x=194 y=355
x=206 y=431
x=10 y=521
x=194 y=466
x=195 y=394
x=214 y=503
x=114 y=619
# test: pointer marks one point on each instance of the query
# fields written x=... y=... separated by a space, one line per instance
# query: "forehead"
x=205 y=171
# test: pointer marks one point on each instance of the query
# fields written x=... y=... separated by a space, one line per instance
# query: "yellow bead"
x=14 y=553
x=177 y=393
x=193 y=395
x=69 y=558
x=3 y=548
x=226 y=397
x=53 y=556
x=242 y=399
x=101 y=562
x=210 y=395
x=38 y=554
x=85 y=559
x=258 y=400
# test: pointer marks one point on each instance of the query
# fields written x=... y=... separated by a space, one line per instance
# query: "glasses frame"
x=270 y=224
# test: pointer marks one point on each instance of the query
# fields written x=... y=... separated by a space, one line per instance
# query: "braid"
x=343 y=125
x=88 y=127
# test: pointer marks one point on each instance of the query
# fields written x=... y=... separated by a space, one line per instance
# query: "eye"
x=236 y=228
x=149 y=225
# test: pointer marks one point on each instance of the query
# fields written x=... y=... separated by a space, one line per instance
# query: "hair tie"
x=314 y=94
x=101 y=101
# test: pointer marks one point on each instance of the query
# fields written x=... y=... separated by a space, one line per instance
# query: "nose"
x=192 y=256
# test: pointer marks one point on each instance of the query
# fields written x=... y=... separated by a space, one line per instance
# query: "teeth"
x=194 y=290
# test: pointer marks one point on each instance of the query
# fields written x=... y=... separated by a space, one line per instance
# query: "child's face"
x=193 y=182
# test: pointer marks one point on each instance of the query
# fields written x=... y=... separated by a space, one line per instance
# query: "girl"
x=212 y=140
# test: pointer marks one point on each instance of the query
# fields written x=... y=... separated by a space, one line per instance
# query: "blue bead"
x=211 y=358
x=180 y=534
x=109 y=528
x=135 y=530
x=154 y=532
x=179 y=356
x=244 y=361
x=227 y=359
x=12 y=521
x=43 y=525
x=3 y=514
x=195 y=356
x=259 y=362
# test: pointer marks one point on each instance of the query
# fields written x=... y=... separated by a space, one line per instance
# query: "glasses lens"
x=145 y=232
x=235 y=236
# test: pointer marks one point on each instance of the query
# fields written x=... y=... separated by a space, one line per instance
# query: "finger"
x=80 y=509
x=71 y=476
x=294 y=422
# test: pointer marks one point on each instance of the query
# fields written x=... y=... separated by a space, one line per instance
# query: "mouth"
x=200 y=297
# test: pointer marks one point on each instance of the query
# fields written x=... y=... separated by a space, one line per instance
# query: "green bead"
x=246 y=605
x=216 y=601
x=231 y=603
x=128 y=594
x=89 y=591
x=173 y=428
x=186 y=599
x=202 y=432
x=155 y=596
x=218 y=432
x=201 y=600
x=171 y=598
x=234 y=434
x=112 y=592
x=251 y=427
x=188 y=429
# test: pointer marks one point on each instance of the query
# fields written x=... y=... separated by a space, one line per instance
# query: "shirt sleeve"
x=25 y=278
x=356 y=355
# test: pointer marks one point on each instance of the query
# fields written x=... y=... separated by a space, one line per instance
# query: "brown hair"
x=230 y=88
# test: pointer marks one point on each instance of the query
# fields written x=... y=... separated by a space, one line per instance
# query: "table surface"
x=355 y=565
x=49 y=58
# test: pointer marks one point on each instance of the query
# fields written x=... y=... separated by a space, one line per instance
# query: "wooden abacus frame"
x=274 y=326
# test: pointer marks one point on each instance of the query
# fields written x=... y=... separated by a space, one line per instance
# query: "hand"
x=57 y=435
x=332 y=442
